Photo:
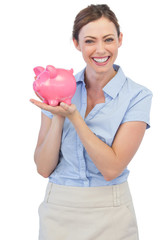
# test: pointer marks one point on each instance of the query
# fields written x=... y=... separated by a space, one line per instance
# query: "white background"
x=39 y=32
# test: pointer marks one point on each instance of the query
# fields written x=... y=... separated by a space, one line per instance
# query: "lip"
x=101 y=57
x=102 y=63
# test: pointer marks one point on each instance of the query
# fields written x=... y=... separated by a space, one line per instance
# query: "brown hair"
x=92 y=13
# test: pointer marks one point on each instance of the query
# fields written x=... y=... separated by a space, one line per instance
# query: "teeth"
x=100 y=60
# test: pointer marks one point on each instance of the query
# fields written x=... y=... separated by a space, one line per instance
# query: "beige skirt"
x=87 y=213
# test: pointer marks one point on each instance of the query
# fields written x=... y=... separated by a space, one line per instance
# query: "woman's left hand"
x=63 y=109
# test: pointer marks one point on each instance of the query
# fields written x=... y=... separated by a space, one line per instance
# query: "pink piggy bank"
x=54 y=85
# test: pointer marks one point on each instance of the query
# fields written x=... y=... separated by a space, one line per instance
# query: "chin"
x=104 y=69
x=92 y=66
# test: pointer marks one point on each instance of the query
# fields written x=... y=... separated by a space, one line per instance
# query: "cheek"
x=87 y=51
x=114 y=49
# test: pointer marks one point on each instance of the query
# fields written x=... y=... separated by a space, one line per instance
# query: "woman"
x=84 y=148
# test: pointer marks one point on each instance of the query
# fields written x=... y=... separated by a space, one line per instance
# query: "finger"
x=68 y=108
x=64 y=106
x=54 y=110
x=39 y=104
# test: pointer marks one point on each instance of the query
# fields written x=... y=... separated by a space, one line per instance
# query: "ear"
x=120 y=39
x=52 y=71
x=38 y=70
x=76 y=44
x=71 y=70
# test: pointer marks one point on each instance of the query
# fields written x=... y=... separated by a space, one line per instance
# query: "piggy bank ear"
x=71 y=70
x=52 y=71
x=38 y=70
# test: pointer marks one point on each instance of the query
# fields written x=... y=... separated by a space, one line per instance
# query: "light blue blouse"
x=125 y=101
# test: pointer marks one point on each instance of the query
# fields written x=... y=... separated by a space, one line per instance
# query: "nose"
x=100 y=48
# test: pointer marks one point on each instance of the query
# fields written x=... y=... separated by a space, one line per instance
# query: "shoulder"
x=136 y=88
x=131 y=89
x=125 y=86
x=136 y=100
x=137 y=93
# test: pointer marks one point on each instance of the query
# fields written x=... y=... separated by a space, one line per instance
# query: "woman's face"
x=99 y=43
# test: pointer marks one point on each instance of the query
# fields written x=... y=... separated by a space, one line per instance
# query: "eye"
x=89 y=41
x=109 y=40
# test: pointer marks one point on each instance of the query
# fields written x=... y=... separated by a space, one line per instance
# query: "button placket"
x=82 y=163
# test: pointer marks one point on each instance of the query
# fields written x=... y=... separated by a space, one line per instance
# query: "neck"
x=98 y=80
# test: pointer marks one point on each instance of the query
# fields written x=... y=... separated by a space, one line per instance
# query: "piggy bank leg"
x=53 y=102
x=67 y=101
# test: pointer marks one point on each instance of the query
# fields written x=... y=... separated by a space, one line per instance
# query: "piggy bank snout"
x=35 y=86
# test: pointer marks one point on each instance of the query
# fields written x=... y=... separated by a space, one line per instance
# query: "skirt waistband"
x=105 y=196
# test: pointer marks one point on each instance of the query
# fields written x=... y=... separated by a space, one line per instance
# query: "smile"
x=101 y=60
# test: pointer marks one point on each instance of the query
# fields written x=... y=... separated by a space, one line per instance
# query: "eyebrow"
x=103 y=37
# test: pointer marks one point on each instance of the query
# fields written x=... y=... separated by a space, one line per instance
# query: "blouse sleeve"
x=48 y=114
x=139 y=108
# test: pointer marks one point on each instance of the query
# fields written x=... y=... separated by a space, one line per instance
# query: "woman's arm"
x=111 y=161
x=46 y=154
